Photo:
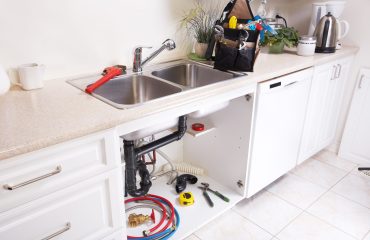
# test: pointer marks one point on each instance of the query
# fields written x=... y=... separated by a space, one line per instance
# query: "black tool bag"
x=228 y=55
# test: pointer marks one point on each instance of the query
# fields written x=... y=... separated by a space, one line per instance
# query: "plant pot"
x=276 y=47
x=200 y=49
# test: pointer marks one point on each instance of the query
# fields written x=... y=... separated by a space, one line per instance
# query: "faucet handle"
x=140 y=48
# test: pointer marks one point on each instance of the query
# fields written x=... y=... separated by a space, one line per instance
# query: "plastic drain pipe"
x=134 y=164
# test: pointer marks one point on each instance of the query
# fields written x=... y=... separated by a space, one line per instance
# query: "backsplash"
x=77 y=37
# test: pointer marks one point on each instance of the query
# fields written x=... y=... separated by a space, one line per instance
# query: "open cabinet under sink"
x=222 y=153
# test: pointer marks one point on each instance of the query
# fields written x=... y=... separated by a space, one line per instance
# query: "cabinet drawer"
x=92 y=209
x=25 y=178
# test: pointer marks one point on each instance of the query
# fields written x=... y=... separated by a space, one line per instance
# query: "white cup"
x=31 y=76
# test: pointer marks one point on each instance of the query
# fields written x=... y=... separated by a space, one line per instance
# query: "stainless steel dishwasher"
x=278 y=125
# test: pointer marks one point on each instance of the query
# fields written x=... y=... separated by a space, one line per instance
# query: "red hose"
x=156 y=202
x=171 y=208
x=152 y=197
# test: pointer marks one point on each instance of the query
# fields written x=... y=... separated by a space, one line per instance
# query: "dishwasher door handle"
x=290 y=84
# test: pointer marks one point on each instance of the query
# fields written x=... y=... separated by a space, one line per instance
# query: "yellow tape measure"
x=186 y=199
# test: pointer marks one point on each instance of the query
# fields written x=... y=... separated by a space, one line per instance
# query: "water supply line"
x=134 y=164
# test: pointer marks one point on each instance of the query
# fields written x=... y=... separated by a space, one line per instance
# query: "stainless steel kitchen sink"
x=134 y=89
x=161 y=80
x=193 y=75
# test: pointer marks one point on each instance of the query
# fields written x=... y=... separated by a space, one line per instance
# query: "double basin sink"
x=156 y=82
x=159 y=81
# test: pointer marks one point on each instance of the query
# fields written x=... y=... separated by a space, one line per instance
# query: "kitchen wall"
x=298 y=15
x=73 y=37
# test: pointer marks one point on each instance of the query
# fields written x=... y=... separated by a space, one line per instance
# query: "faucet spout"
x=168 y=44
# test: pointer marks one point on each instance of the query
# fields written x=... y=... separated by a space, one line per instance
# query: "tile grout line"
x=253 y=222
x=368 y=233
x=304 y=210
x=332 y=225
x=356 y=165
x=289 y=223
x=197 y=236
x=347 y=172
x=321 y=197
x=351 y=200
x=287 y=200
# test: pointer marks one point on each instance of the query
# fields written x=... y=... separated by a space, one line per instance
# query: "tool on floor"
x=365 y=170
x=108 y=74
x=218 y=194
x=182 y=179
x=135 y=220
x=186 y=199
x=206 y=196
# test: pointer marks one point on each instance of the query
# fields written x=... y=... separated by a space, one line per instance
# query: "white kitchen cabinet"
x=323 y=107
x=356 y=137
x=73 y=190
x=30 y=176
x=280 y=112
x=92 y=209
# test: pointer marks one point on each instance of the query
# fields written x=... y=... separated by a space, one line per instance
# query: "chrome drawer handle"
x=360 y=82
x=333 y=73
x=339 y=71
x=56 y=171
x=65 y=229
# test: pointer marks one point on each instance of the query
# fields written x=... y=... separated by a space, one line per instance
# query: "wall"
x=73 y=37
x=298 y=15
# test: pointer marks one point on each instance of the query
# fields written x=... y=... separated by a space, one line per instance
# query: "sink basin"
x=193 y=75
x=135 y=89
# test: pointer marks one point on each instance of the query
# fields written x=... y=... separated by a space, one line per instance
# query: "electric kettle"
x=326 y=34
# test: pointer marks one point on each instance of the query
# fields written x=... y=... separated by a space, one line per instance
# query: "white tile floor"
x=323 y=199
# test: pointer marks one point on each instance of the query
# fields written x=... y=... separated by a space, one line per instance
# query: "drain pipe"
x=133 y=163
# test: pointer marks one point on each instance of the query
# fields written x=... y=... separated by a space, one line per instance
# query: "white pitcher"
x=4 y=81
x=336 y=8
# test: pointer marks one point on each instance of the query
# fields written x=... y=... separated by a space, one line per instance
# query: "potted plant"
x=285 y=37
x=199 y=22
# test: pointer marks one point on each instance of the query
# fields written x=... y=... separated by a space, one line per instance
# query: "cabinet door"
x=315 y=111
x=280 y=111
x=356 y=137
x=333 y=103
x=323 y=108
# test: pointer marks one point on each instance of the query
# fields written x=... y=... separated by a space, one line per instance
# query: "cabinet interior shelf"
x=191 y=217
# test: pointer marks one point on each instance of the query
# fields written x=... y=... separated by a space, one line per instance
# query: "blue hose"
x=176 y=227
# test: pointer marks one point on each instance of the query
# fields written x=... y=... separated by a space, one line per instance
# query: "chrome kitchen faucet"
x=168 y=44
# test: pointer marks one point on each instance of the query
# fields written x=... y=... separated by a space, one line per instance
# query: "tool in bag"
x=108 y=74
x=235 y=45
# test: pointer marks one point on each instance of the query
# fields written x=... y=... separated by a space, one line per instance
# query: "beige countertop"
x=31 y=120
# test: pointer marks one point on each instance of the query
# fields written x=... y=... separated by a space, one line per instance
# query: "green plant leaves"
x=199 y=22
x=289 y=36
